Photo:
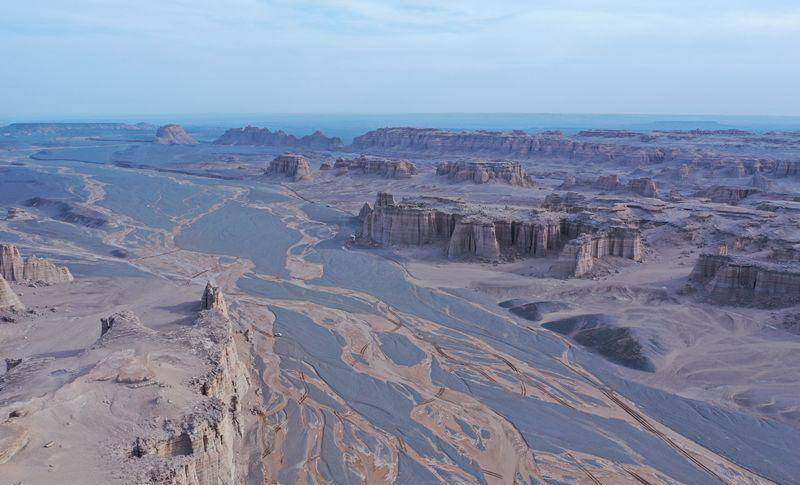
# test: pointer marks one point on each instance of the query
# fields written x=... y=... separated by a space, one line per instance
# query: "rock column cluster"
x=32 y=270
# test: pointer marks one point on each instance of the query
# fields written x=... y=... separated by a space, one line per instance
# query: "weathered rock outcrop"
x=17 y=214
x=505 y=144
x=481 y=172
x=66 y=212
x=366 y=165
x=32 y=270
x=173 y=135
x=740 y=281
x=251 y=135
x=213 y=299
x=8 y=299
x=645 y=187
x=580 y=254
x=727 y=195
x=467 y=234
x=290 y=165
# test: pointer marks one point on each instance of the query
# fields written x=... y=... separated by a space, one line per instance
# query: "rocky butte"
x=482 y=172
x=173 y=135
x=32 y=270
x=290 y=165
x=367 y=165
x=250 y=135
x=739 y=280
x=491 y=234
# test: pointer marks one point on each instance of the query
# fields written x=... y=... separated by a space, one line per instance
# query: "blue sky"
x=104 y=57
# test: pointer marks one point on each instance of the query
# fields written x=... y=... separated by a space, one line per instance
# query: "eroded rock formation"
x=8 y=299
x=743 y=281
x=384 y=167
x=32 y=270
x=290 y=165
x=251 y=135
x=173 y=135
x=481 y=172
x=469 y=233
x=213 y=299
x=514 y=144
x=727 y=195
x=645 y=187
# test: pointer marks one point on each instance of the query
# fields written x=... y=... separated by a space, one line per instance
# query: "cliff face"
x=481 y=172
x=514 y=143
x=32 y=270
x=213 y=299
x=740 y=281
x=387 y=168
x=483 y=237
x=580 y=254
x=290 y=165
x=727 y=195
x=8 y=299
x=173 y=135
x=645 y=187
x=251 y=135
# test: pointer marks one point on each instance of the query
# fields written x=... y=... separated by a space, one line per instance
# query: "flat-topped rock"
x=173 y=135
x=290 y=165
x=383 y=167
x=481 y=172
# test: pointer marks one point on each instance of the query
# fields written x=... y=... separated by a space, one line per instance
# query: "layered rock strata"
x=505 y=144
x=481 y=172
x=727 y=195
x=251 y=135
x=383 y=167
x=741 y=281
x=32 y=270
x=467 y=234
x=290 y=165
x=644 y=186
x=173 y=135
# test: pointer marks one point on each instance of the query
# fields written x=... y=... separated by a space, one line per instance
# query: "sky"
x=110 y=57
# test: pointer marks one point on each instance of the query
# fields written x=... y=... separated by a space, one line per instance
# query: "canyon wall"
x=250 y=135
x=485 y=237
x=8 y=299
x=742 y=281
x=513 y=144
x=481 y=172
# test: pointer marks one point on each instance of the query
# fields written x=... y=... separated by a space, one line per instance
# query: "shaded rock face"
x=740 y=281
x=213 y=299
x=485 y=238
x=383 y=167
x=481 y=172
x=727 y=195
x=513 y=144
x=644 y=186
x=580 y=254
x=599 y=334
x=8 y=299
x=533 y=311
x=17 y=214
x=290 y=165
x=173 y=135
x=251 y=135
x=32 y=270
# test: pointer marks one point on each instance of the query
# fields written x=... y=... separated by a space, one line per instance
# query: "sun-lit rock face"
x=32 y=270
x=482 y=172
x=8 y=299
x=727 y=195
x=290 y=165
x=382 y=167
x=173 y=135
x=490 y=237
x=743 y=281
x=644 y=186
